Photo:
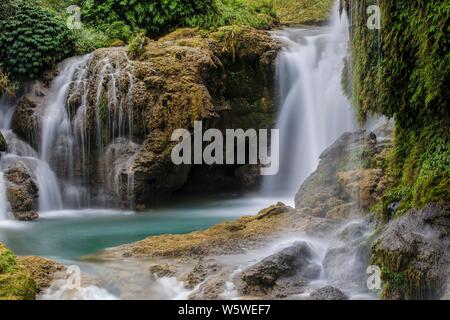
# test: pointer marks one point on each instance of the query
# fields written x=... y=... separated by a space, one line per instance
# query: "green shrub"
x=88 y=39
x=136 y=45
x=31 y=40
x=155 y=16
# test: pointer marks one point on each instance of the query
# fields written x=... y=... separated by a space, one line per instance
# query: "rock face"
x=414 y=254
x=294 y=264
x=16 y=282
x=22 y=192
x=350 y=177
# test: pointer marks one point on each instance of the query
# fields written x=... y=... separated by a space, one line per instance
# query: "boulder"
x=22 y=191
x=162 y=270
x=293 y=264
x=350 y=179
x=328 y=293
x=413 y=253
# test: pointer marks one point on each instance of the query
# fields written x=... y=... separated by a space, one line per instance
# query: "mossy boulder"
x=223 y=78
x=16 y=282
x=413 y=253
x=350 y=178
x=22 y=191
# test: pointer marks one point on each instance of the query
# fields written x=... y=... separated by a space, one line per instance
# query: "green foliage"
x=136 y=45
x=254 y=13
x=31 y=40
x=6 y=86
x=159 y=17
x=155 y=16
x=88 y=39
x=8 y=262
x=402 y=71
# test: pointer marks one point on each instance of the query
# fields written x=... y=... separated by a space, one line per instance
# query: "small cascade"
x=119 y=160
x=313 y=109
x=4 y=204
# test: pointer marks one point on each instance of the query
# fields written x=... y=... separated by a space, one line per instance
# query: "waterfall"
x=313 y=109
x=4 y=204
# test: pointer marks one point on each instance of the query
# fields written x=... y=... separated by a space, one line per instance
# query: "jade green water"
x=69 y=234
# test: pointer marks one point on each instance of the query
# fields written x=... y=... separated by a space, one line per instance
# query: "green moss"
x=16 y=282
x=402 y=71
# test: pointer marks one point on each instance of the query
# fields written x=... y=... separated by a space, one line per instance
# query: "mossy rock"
x=16 y=282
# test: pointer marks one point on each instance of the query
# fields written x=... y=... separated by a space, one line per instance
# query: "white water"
x=314 y=111
x=4 y=204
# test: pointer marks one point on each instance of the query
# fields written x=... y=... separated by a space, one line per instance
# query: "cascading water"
x=314 y=110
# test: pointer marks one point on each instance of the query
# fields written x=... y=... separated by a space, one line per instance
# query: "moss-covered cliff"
x=401 y=71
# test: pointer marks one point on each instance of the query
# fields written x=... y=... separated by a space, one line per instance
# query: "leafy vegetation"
x=402 y=71
x=32 y=39
x=160 y=17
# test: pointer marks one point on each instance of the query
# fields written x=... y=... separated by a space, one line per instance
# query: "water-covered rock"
x=328 y=293
x=22 y=192
x=350 y=177
x=291 y=266
x=414 y=254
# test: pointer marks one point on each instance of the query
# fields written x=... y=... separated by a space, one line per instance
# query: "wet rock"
x=328 y=293
x=26 y=119
x=347 y=263
x=393 y=207
x=293 y=262
x=414 y=253
x=22 y=192
x=163 y=270
x=201 y=271
x=3 y=145
x=224 y=238
x=350 y=178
